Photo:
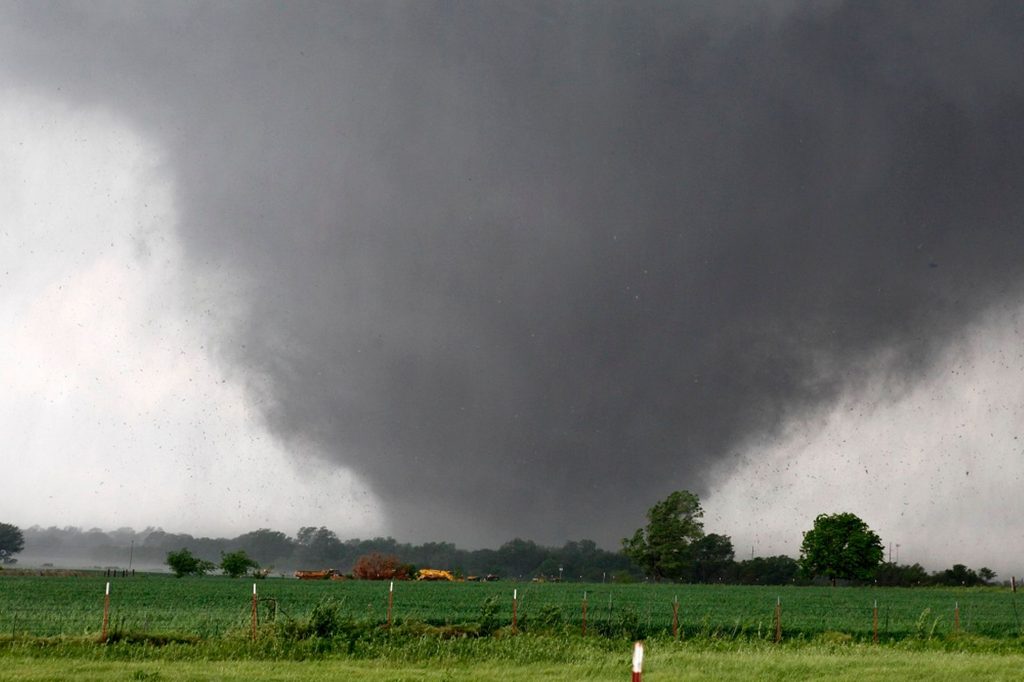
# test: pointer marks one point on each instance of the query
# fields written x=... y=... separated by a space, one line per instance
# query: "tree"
x=959 y=576
x=379 y=567
x=772 y=570
x=266 y=546
x=183 y=563
x=664 y=549
x=840 y=546
x=986 y=574
x=12 y=541
x=893 y=575
x=584 y=560
x=237 y=564
x=520 y=558
x=319 y=546
x=713 y=558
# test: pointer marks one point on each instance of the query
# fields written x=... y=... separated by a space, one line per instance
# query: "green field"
x=162 y=628
x=213 y=606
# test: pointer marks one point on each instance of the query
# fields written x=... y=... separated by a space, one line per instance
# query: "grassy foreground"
x=166 y=629
x=665 y=662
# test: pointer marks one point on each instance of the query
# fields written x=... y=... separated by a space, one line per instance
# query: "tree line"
x=838 y=547
x=671 y=547
x=319 y=547
x=315 y=547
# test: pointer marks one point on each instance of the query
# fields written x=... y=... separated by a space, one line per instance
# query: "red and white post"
x=106 y=613
x=391 y=601
x=255 y=611
x=515 y=609
x=638 y=661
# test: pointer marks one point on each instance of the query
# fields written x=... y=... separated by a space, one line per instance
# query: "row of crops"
x=211 y=606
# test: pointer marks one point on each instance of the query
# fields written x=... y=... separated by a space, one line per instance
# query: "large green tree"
x=664 y=548
x=840 y=546
x=319 y=547
x=237 y=564
x=713 y=559
x=12 y=541
x=266 y=546
x=183 y=563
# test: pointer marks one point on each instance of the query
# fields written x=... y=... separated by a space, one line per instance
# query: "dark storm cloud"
x=526 y=267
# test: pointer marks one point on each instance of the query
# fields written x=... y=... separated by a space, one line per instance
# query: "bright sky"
x=113 y=413
x=925 y=466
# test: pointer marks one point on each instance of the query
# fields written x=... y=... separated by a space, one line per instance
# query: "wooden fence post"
x=255 y=611
x=106 y=613
x=584 y=613
x=956 y=617
x=778 y=619
x=874 y=623
x=675 y=618
x=391 y=601
x=515 y=608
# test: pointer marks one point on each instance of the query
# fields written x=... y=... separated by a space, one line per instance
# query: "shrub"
x=379 y=567
x=183 y=563
x=489 y=616
x=325 y=620
x=549 y=617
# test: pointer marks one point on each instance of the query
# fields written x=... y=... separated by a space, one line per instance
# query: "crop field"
x=162 y=628
x=212 y=607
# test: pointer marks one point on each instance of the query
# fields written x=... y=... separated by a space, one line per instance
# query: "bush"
x=325 y=620
x=327 y=627
x=489 y=616
x=548 y=618
x=183 y=563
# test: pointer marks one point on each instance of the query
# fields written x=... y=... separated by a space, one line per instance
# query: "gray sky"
x=468 y=271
